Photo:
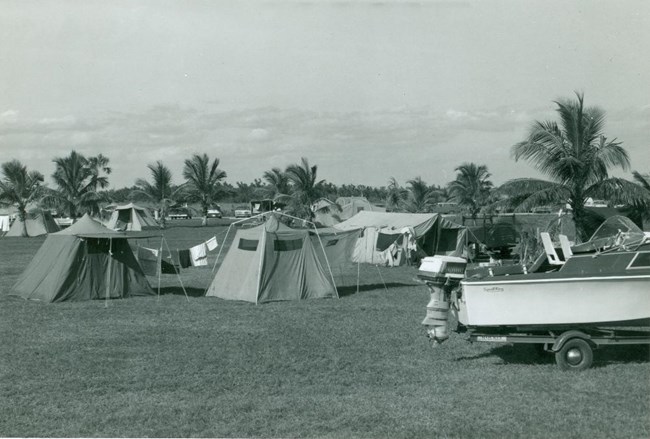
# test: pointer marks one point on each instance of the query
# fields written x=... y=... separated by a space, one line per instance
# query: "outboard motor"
x=441 y=274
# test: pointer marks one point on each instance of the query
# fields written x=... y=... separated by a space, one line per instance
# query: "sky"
x=366 y=90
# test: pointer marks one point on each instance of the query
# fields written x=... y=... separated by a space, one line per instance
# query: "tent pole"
x=108 y=272
x=159 y=264
x=358 y=274
x=381 y=277
x=326 y=260
x=223 y=244
x=220 y=249
x=177 y=273
x=259 y=269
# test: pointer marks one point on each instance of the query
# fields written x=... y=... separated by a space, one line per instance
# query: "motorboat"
x=573 y=299
x=602 y=282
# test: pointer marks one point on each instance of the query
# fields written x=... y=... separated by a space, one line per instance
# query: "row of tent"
x=267 y=262
x=129 y=217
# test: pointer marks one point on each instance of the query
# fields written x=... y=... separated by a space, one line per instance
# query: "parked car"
x=242 y=212
x=214 y=213
x=181 y=213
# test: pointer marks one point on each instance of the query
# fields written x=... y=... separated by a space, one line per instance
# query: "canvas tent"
x=38 y=222
x=387 y=237
x=131 y=218
x=272 y=262
x=83 y=262
x=327 y=214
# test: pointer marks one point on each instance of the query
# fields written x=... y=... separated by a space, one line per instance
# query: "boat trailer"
x=573 y=347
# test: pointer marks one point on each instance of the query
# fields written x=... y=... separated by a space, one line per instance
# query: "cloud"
x=360 y=147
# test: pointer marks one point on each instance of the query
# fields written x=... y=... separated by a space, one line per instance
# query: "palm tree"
x=159 y=191
x=304 y=189
x=576 y=156
x=18 y=188
x=78 y=179
x=276 y=183
x=202 y=181
x=395 y=196
x=471 y=188
x=97 y=165
x=642 y=208
x=421 y=197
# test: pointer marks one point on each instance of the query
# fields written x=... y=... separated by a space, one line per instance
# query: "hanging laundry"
x=184 y=258
x=169 y=263
x=212 y=243
x=199 y=254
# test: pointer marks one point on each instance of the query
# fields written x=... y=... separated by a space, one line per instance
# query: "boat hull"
x=555 y=301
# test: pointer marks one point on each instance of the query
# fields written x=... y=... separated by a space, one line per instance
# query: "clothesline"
x=171 y=261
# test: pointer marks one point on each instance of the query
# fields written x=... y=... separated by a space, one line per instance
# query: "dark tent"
x=83 y=262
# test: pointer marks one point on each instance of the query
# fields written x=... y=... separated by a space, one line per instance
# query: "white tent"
x=389 y=238
x=131 y=218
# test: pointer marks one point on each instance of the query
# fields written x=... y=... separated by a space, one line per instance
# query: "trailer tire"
x=576 y=354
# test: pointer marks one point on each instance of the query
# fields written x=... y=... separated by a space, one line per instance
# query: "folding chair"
x=566 y=247
x=551 y=254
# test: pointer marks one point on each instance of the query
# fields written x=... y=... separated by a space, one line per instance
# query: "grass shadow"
x=530 y=354
x=191 y=292
x=349 y=290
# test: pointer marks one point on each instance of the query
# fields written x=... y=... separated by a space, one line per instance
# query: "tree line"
x=573 y=153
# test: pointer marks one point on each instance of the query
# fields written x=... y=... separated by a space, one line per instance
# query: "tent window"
x=287 y=245
x=124 y=215
x=641 y=260
x=385 y=240
x=331 y=243
x=248 y=244
x=97 y=246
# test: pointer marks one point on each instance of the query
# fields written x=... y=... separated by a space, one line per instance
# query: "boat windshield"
x=616 y=231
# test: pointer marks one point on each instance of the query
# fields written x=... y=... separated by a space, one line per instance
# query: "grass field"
x=359 y=366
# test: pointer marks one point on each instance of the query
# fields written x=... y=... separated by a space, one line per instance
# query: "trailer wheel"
x=576 y=354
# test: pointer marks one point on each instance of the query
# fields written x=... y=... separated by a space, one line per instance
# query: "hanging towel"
x=199 y=255
x=169 y=263
x=212 y=243
x=184 y=258
x=148 y=259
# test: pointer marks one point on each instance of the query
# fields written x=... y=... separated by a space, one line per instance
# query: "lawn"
x=358 y=366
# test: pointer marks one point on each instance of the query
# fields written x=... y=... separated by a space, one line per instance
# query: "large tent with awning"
x=131 y=217
x=37 y=222
x=83 y=262
x=385 y=235
x=272 y=262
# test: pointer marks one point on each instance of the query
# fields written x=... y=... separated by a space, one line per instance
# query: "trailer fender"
x=568 y=335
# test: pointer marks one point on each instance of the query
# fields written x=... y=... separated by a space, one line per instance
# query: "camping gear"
x=131 y=218
x=83 y=262
x=272 y=262
x=37 y=222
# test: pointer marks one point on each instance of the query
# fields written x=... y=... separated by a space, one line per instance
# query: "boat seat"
x=549 y=249
x=566 y=247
